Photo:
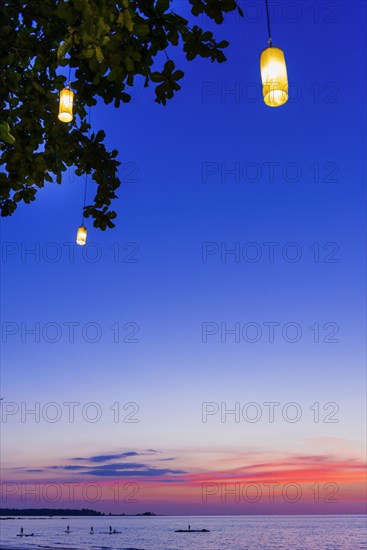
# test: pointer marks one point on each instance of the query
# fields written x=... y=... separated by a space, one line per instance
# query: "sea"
x=158 y=533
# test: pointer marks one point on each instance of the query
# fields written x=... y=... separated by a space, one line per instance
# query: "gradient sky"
x=213 y=171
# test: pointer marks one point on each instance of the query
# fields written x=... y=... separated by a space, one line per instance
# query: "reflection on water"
x=158 y=533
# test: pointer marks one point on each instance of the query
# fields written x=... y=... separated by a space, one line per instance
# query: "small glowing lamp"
x=274 y=76
x=66 y=105
x=81 y=237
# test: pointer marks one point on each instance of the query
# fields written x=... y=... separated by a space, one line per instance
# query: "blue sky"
x=181 y=204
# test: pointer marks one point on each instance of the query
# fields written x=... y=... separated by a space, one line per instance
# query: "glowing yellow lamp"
x=81 y=237
x=274 y=76
x=66 y=105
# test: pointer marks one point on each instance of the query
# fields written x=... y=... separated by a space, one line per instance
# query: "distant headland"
x=48 y=512
x=59 y=512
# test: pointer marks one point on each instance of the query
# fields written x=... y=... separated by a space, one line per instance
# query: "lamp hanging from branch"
x=273 y=72
x=81 y=236
x=66 y=104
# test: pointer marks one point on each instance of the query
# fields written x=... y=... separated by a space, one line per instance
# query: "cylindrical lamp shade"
x=66 y=105
x=81 y=237
x=274 y=76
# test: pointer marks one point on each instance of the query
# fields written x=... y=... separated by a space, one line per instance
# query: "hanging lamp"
x=273 y=72
x=66 y=104
x=81 y=236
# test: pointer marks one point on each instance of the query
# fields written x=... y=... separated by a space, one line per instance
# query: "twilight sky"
x=214 y=340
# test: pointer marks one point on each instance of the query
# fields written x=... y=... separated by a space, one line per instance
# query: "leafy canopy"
x=105 y=44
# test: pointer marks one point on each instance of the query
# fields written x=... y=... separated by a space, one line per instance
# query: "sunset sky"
x=233 y=281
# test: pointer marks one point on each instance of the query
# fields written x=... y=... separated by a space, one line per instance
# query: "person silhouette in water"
x=91 y=532
x=189 y=527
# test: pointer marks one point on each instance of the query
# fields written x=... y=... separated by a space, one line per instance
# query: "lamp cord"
x=86 y=176
x=85 y=196
x=270 y=40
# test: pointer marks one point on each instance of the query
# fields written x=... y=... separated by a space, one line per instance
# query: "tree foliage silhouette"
x=105 y=45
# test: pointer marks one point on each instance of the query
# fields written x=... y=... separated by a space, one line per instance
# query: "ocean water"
x=157 y=533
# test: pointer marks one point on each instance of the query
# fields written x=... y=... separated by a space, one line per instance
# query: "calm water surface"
x=157 y=533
